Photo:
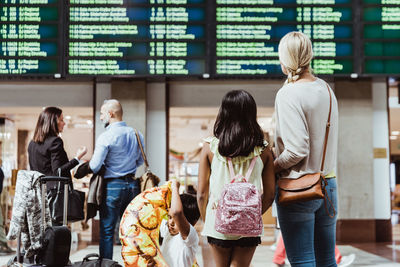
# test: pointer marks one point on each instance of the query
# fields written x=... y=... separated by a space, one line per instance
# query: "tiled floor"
x=367 y=254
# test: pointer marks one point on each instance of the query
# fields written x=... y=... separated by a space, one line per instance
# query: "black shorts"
x=241 y=242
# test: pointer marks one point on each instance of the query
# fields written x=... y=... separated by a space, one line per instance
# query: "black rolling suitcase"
x=56 y=240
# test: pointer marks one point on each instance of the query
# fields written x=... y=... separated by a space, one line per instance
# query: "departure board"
x=136 y=37
x=29 y=37
x=381 y=36
x=248 y=34
x=194 y=38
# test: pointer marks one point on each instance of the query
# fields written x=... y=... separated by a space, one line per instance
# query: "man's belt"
x=127 y=176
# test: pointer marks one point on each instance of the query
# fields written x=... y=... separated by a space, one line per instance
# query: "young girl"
x=238 y=136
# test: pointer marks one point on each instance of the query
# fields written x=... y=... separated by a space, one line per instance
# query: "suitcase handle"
x=91 y=255
x=46 y=179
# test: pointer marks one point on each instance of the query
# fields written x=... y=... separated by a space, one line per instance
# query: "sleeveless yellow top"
x=220 y=176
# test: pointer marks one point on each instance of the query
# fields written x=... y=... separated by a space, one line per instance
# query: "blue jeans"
x=308 y=232
x=118 y=194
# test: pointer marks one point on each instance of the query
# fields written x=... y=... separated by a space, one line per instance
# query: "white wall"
x=39 y=94
x=103 y=92
x=381 y=140
x=209 y=93
x=355 y=157
x=156 y=129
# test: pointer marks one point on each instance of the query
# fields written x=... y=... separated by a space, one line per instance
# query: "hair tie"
x=289 y=77
x=299 y=70
x=295 y=77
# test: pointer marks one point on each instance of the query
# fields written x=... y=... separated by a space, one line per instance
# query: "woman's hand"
x=81 y=152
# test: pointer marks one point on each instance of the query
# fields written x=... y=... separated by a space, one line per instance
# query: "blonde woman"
x=302 y=107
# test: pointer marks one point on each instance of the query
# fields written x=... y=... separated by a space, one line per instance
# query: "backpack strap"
x=231 y=169
x=248 y=173
x=250 y=170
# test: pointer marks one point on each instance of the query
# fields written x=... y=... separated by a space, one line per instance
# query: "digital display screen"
x=136 y=37
x=381 y=36
x=248 y=34
x=29 y=37
x=190 y=38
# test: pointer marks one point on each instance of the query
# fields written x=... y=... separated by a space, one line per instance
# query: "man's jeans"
x=308 y=232
x=119 y=193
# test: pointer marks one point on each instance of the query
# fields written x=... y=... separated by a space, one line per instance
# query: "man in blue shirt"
x=118 y=150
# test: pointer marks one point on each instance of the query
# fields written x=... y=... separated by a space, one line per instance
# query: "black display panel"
x=248 y=34
x=136 y=37
x=191 y=38
x=381 y=36
x=30 y=37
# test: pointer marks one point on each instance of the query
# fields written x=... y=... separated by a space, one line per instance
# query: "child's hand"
x=175 y=184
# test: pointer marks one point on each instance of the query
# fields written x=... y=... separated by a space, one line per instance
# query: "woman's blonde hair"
x=295 y=54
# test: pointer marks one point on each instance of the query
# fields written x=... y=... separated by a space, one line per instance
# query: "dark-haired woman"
x=238 y=136
x=46 y=150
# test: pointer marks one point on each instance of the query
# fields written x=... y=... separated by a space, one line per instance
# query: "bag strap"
x=248 y=173
x=326 y=198
x=146 y=163
x=250 y=170
x=328 y=125
x=232 y=173
x=91 y=255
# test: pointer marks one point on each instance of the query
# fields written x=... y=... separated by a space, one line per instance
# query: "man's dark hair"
x=236 y=125
x=190 y=208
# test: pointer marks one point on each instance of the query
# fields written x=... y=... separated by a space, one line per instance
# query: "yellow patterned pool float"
x=140 y=227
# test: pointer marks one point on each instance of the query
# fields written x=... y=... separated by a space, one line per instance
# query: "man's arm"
x=99 y=155
x=176 y=211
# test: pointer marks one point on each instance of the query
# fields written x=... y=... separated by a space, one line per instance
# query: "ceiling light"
x=393 y=137
x=89 y=122
x=68 y=117
x=395 y=132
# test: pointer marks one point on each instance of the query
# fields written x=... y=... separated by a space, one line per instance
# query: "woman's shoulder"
x=53 y=140
x=54 y=143
x=294 y=91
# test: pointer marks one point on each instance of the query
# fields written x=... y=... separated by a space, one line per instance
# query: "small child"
x=180 y=239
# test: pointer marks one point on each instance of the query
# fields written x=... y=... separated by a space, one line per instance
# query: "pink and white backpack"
x=239 y=207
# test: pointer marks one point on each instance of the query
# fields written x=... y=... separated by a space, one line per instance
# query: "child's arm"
x=268 y=178
x=203 y=180
x=176 y=211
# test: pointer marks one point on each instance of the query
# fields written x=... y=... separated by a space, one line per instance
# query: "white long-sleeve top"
x=301 y=115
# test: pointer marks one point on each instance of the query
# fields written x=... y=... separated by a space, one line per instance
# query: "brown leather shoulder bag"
x=309 y=186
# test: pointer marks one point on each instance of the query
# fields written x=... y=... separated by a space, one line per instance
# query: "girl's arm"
x=203 y=180
x=176 y=211
x=268 y=179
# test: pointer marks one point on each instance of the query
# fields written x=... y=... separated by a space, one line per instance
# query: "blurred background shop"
x=176 y=115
